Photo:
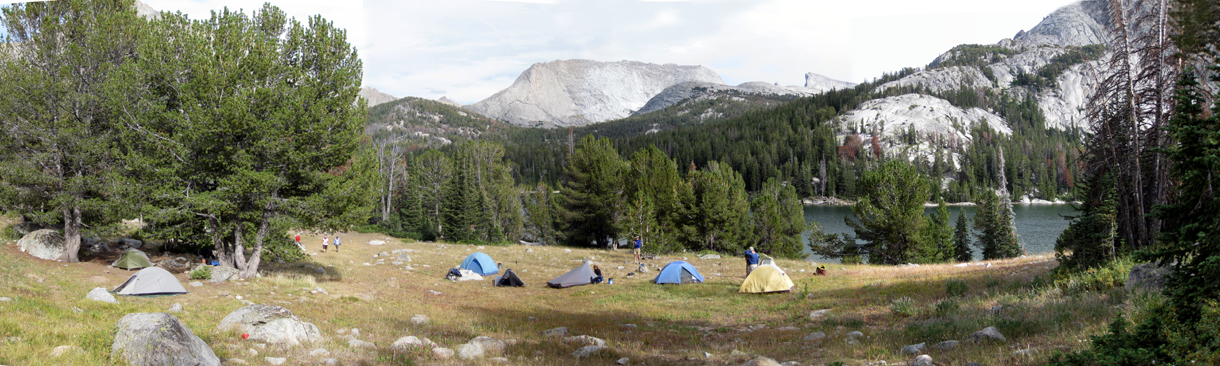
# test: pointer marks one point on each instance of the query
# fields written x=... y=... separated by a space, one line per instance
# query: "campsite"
x=367 y=297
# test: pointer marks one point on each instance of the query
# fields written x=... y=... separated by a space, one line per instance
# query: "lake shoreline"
x=834 y=201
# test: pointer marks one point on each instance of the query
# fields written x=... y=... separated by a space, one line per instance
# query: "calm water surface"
x=1037 y=225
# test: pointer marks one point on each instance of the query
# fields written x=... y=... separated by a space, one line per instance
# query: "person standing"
x=299 y=240
x=325 y=241
x=636 y=248
x=336 y=243
x=751 y=261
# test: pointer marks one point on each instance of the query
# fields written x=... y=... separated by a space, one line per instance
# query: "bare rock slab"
x=155 y=339
x=271 y=324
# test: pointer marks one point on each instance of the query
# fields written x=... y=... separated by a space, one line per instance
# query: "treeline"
x=465 y=193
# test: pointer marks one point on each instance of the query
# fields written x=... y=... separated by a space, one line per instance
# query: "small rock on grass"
x=100 y=294
x=5 y=299
x=586 y=351
x=319 y=352
x=815 y=336
x=419 y=319
x=555 y=332
x=175 y=308
x=761 y=361
x=276 y=360
x=922 y=360
x=988 y=334
x=946 y=345
x=913 y=349
x=442 y=353
x=819 y=314
x=623 y=361
x=62 y=350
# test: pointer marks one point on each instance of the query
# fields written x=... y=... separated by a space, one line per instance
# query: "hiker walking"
x=751 y=261
x=636 y=248
x=325 y=241
x=336 y=243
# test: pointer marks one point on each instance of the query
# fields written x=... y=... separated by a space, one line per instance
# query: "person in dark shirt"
x=751 y=261
x=636 y=248
x=598 y=272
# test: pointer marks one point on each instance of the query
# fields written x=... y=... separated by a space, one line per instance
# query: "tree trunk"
x=239 y=248
x=72 y=225
x=256 y=255
x=222 y=254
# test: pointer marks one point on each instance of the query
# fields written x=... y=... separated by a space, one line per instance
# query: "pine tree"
x=722 y=209
x=890 y=212
x=937 y=243
x=961 y=239
x=540 y=208
x=1089 y=239
x=779 y=219
x=63 y=113
x=590 y=193
x=1192 y=232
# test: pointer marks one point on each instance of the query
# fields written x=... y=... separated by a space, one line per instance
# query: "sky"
x=470 y=49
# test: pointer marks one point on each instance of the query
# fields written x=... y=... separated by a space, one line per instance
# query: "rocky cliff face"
x=577 y=92
x=700 y=90
x=375 y=97
x=893 y=118
x=1063 y=105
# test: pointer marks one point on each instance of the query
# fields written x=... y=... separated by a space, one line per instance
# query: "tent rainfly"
x=582 y=275
x=678 y=273
x=766 y=279
x=509 y=279
x=480 y=263
x=132 y=259
x=150 y=281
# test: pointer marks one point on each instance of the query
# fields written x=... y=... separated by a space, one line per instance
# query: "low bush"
x=201 y=273
x=955 y=288
x=903 y=306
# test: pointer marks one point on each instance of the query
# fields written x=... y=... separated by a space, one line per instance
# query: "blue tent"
x=679 y=272
x=480 y=263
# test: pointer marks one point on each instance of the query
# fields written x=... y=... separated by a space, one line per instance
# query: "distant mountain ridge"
x=375 y=96
x=578 y=92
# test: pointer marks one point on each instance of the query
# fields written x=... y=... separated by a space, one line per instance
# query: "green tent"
x=132 y=259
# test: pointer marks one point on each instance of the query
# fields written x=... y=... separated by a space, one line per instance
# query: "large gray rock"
x=271 y=324
x=1147 y=277
x=1078 y=24
x=223 y=273
x=46 y=244
x=100 y=294
x=578 y=92
x=988 y=334
x=129 y=243
x=761 y=361
x=156 y=339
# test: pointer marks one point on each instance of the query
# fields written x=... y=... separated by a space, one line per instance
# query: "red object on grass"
x=245 y=336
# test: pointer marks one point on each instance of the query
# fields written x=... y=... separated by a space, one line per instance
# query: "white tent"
x=151 y=281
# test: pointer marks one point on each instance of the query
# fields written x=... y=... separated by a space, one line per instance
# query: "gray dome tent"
x=150 y=281
x=582 y=275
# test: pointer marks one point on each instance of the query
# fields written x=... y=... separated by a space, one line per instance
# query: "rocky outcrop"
x=375 y=97
x=944 y=79
x=1148 y=277
x=448 y=101
x=159 y=339
x=271 y=324
x=46 y=244
x=819 y=83
x=1078 y=24
x=577 y=92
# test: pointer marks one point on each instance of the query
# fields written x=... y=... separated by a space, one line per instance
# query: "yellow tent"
x=766 y=279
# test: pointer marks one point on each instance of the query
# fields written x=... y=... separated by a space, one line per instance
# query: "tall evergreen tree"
x=590 y=192
x=1192 y=235
x=1088 y=241
x=890 y=212
x=653 y=174
x=721 y=209
x=991 y=223
x=63 y=84
x=541 y=208
x=779 y=219
x=937 y=244
x=961 y=239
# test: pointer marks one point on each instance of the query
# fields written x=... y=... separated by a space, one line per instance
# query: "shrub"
x=903 y=306
x=201 y=273
x=955 y=288
x=946 y=307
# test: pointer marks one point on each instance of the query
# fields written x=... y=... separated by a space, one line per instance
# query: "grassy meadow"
x=647 y=323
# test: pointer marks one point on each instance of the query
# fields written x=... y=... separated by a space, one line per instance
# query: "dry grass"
x=672 y=324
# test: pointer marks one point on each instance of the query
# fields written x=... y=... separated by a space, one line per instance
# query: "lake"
x=1037 y=225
